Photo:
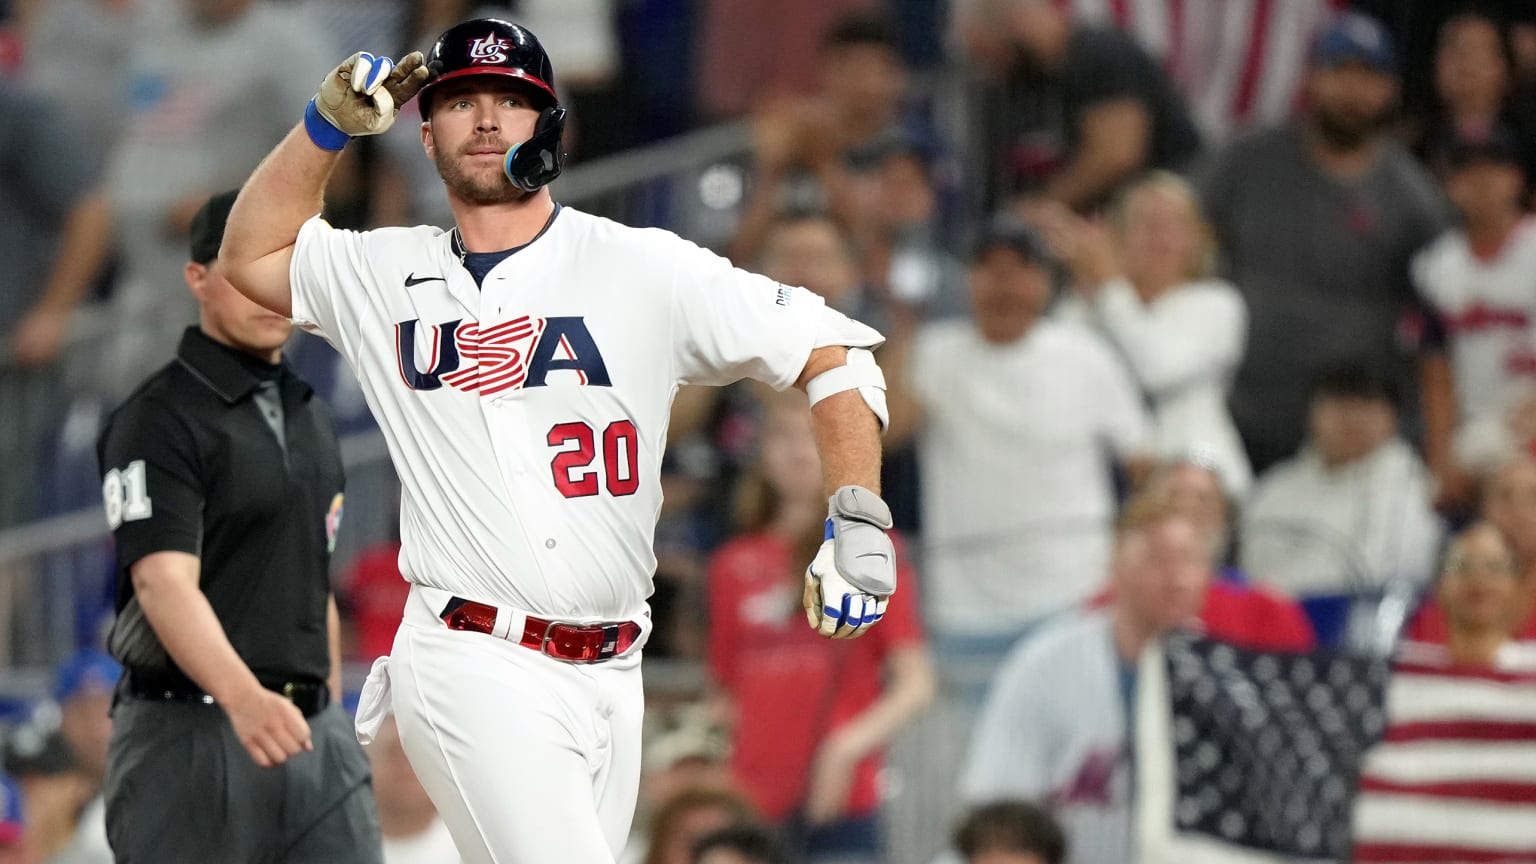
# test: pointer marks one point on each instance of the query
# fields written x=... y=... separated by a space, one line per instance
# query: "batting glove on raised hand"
x=854 y=574
x=363 y=94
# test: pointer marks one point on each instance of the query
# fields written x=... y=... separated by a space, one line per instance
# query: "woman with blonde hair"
x=811 y=716
x=1143 y=280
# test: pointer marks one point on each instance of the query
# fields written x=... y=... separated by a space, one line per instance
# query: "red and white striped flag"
x=1454 y=777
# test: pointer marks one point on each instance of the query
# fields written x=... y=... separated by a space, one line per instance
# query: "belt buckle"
x=549 y=630
x=288 y=691
x=549 y=638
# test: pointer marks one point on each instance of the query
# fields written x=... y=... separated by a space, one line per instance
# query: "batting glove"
x=362 y=97
x=854 y=574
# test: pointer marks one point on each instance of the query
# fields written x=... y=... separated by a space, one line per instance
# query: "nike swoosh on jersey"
x=413 y=279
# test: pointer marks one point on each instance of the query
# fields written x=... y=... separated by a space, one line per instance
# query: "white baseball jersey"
x=1054 y=730
x=527 y=416
x=1488 y=307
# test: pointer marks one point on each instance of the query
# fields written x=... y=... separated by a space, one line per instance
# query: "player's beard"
x=471 y=188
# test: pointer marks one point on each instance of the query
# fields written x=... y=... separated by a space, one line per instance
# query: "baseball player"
x=522 y=366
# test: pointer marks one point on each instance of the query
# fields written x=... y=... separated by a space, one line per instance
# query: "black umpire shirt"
x=233 y=460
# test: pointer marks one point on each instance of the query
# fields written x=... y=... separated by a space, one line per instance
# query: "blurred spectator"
x=1509 y=504
x=72 y=47
x=1067 y=113
x=815 y=251
x=689 y=749
x=752 y=50
x=1479 y=282
x=412 y=831
x=1347 y=521
x=53 y=793
x=690 y=815
x=1010 y=832
x=12 y=850
x=49 y=247
x=1018 y=418
x=191 y=132
x=1145 y=284
x=905 y=241
x=84 y=693
x=1482 y=593
x=1451 y=779
x=739 y=844
x=1192 y=487
x=812 y=717
x=374 y=593
x=809 y=150
x=1072 y=752
x=1317 y=223
x=1239 y=63
x=1234 y=611
x=1473 y=78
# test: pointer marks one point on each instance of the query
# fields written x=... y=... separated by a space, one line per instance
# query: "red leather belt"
x=573 y=643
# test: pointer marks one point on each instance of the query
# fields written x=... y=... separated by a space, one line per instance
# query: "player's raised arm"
x=359 y=97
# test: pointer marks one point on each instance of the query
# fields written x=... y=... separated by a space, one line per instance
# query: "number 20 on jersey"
x=574 y=473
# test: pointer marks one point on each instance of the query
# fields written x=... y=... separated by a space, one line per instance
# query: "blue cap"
x=1356 y=38
x=88 y=669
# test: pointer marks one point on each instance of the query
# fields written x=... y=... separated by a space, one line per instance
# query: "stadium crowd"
x=1200 y=314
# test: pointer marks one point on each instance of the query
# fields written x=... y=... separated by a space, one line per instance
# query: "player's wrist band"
x=325 y=135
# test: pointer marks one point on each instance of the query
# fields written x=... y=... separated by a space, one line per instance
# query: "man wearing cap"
x=1316 y=223
x=1017 y=418
x=222 y=483
x=1479 y=281
x=83 y=690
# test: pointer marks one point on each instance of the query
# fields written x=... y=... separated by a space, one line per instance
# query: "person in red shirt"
x=1233 y=610
x=375 y=592
x=1509 y=503
x=811 y=716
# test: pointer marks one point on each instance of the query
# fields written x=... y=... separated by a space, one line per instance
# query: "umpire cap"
x=488 y=46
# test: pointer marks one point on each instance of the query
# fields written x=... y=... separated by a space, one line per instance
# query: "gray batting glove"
x=853 y=577
x=363 y=94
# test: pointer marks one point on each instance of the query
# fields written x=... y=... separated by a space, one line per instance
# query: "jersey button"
x=550 y=543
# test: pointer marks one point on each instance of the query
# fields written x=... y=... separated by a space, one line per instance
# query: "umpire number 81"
x=125 y=495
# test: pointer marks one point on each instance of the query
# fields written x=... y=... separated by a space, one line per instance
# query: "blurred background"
x=1267 y=262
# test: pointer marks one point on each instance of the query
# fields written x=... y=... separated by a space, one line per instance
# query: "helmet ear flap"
x=537 y=161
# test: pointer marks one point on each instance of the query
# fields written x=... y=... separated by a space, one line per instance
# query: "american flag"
x=1454 y=778
x=1251 y=756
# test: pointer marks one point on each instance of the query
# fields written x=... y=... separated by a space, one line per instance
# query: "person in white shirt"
x=1346 y=525
x=1019 y=420
x=1144 y=282
x=413 y=833
x=1055 y=728
x=1479 y=281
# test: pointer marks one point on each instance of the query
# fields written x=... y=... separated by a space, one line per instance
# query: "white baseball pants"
x=529 y=759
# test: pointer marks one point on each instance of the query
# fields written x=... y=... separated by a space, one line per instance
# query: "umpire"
x=222 y=483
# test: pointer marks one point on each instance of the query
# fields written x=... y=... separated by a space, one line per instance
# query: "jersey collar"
x=218 y=366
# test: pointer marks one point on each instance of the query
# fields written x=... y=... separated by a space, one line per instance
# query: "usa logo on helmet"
x=489 y=49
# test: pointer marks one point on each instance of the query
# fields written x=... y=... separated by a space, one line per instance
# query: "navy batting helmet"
x=491 y=46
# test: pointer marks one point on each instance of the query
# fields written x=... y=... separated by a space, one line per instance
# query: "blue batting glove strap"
x=320 y=130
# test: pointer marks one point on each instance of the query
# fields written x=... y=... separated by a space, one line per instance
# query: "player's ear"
x=426 y=139
x=197 y=279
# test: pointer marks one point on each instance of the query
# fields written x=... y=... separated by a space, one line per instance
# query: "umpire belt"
x=571 y=642
x=308 y=695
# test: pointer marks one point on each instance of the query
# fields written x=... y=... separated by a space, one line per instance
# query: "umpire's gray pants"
x=180 y=789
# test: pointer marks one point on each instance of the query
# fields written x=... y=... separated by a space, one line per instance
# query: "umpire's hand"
x=854 y=574
x=271 y=727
